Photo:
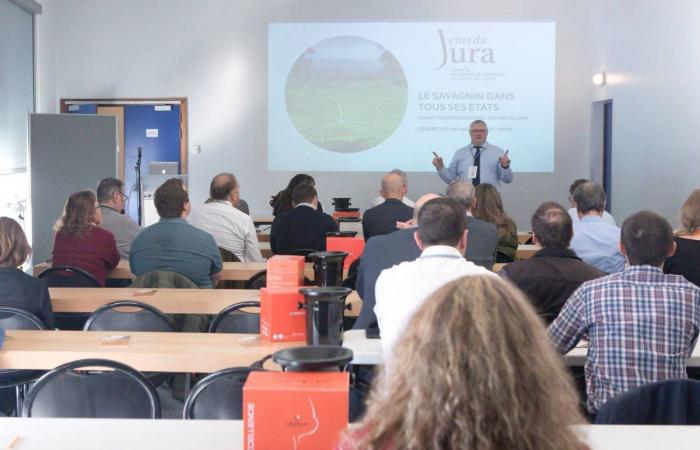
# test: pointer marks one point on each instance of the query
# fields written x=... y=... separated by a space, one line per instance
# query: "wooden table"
x=232 y=270
x=265 y=250
x=145 y=351
x=263 y=219
x=171 y=301
x=524 y=236
x=118 y=434
x=525 y=251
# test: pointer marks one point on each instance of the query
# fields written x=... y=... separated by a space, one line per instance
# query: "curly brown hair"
x=473 y=370
x=78 y=214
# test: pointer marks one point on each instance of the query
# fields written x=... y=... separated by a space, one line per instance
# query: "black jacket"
x=382 y=218
x=24 y=291
x=482 y=238
x=549 y=278
x=300 y=228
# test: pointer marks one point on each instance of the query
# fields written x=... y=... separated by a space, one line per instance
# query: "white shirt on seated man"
x=406 y=201
x=402 y=289
x=232 y=229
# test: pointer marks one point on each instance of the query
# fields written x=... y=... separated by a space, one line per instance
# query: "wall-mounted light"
x=599 y=79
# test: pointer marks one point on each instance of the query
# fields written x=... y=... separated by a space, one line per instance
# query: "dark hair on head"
x=552 y=226
x=489 y=207
x=78 y=214
x=222 y=185
x=576 y=184
x=589 y=197
x=304 y=193
x=107 y=188
x=647 y=238
x=441 y=221
x=14 y=248
x=170 y=198
x=283 y=200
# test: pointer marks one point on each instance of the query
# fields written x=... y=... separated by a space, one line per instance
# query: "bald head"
x=422 y=201
x=222 y=186
x=392 y=186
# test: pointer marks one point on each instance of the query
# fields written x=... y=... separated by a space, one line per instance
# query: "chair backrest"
x=218 y=396
x=232 y=320
x=351 y=280
x=502 y=257
x=228 y=255
x=13 y=318
x=257 y=280
x=145 y=318
x=68 y=276
x=122 y=392
x=669 y=402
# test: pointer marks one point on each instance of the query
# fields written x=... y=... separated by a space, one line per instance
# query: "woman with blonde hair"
x=686 y=260
x=19 y=289
x=489 y=207
x=473 y=370
x=80 y=242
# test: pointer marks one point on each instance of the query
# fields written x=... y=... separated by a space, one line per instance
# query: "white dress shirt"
x=402 y=289
x=231 y=229
x=607 y=217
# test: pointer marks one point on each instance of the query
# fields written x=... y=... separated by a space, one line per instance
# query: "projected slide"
x=375 y=96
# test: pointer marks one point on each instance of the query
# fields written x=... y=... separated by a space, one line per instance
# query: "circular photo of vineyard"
x=346 y=94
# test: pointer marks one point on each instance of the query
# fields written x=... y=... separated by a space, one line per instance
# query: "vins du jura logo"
x=464 y=50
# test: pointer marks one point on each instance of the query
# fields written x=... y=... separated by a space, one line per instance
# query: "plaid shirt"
x=642 y=326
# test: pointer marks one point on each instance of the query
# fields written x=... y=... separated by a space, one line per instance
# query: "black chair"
x=69 y=276
x=502 y=257
x=218 y=396
x=257 y=281
x=146 y=318
x=351 y=280
x=232 y=320
x=305 y=252
x=121 y=392
x=669 y=402
x=12 y=318
x=228 y=256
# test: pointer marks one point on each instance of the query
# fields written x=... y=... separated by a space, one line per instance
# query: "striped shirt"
x=641 y=324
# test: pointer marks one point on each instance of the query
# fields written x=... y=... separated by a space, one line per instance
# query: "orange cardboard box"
x=285 y=271
x=294 y=410
x=280 y=317
x=353 y=245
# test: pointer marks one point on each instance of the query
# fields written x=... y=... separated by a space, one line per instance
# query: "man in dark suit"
x=302 y=227
x=382 y=218
x=482 y=236
x=383 y=252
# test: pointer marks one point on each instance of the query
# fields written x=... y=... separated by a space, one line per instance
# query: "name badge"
x=473 y=171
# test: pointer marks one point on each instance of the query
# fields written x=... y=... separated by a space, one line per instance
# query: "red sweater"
x=95 y=252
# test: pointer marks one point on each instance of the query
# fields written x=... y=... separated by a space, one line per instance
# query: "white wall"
x=214 y=53
x=651 y=53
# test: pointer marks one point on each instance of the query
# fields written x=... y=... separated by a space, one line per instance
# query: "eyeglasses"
x=480 y=130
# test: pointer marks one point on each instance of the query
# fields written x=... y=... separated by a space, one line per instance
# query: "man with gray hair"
x=594 y=241
x=483 y=236
x=382 y=219
x=111 y=197
x=406 y=201
x=232 y=229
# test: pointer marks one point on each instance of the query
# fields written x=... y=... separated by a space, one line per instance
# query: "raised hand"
x=504 y=160
x=437 y=161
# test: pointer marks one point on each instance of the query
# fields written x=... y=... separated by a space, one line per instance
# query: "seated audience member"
x=402 y=289
x=473 y=370
x=607 y=217
x=382 y=218
x=483 y=236
x=172 y=244
x=231 y=229
x=489 y=208
x=304 y=227
x=686 y=260
x=19 y=289
x=242 y=206
x=381 y=253
x=406 y=201
x=79 y=240
x=641 y=324
x=594 y=241
x=555 y=272
x=110 y=195
x=282 y=201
